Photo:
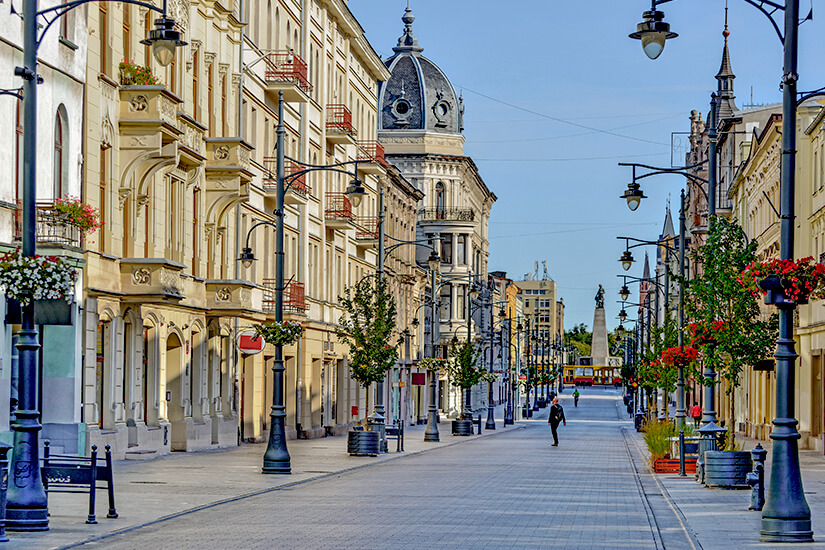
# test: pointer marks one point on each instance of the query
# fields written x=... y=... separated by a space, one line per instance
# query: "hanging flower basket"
x=679 y=356
x=81 y=215
x=800 y=280
x=36 y=278
x=432 y=364
x=133 y=74
x=284 y=333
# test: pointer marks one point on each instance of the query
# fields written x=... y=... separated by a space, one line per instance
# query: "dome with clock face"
x=418 y=95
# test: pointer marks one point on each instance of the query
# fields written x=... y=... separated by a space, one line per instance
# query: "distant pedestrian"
x=556 y=417
x=576 y=397
x=696 y=413
x=552 y=395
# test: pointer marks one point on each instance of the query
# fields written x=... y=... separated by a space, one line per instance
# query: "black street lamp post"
x=26 y=507
x=786 y=516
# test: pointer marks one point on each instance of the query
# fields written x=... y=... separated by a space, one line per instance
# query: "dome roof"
x=418 y=95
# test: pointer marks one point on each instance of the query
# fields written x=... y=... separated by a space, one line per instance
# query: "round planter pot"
x=462 y=427
x=727 y=469
x=360 y=443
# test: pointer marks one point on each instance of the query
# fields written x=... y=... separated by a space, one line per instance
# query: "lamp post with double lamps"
x=633 y=195
x=786 y=516
x=512 y=382
x=491 y=422
x=27 y=508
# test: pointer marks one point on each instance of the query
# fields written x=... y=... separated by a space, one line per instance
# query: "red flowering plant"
x=81 y=215
x=679 y=356
x=133 y=74
x=801 y=279
x=702 y=334
x=27 y=278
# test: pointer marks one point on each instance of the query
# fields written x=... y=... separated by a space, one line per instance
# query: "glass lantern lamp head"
x=653 y=32
x=633 y=195
x=247 y=257
x=415 y=322
x=473 y=291
x=502 y=313
x=622 y=315
x=355 y=192
x=620 y=330
x=163 y=40
x=627 y=260
x=624 y=293
x=434 y=261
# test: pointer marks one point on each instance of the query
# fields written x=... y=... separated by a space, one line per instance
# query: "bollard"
x=756 y=478
x=4 y=476
x=682 y=453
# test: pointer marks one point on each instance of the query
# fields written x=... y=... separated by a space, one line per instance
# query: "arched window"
x=288 y=32
x=277 y=43
x=59 y=181
x=440 y=200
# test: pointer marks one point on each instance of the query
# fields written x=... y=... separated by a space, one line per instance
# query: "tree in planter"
x=661 y=339
x=464 y=371
x=733 y=330
x=367 y=326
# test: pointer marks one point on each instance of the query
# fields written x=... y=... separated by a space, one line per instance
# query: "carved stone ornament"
x=236 y=79
x=138 y=141
x=224 y=294
x=107 y=130
x=179 y=11
x=221 y=152
x=138 y=104
x=223 y=69
x=123 y=195
x=246 y=295
x=141 y=275
x=209 y=57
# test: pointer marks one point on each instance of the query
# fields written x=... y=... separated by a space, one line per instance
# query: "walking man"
x=556 y=417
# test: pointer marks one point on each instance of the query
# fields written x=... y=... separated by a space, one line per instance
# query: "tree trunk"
x=732 y=419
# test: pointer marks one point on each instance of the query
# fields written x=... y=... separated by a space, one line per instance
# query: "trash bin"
x=640 y=421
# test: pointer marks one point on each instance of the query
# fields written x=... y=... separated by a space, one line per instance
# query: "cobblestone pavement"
x=511 y=490
x=505 y=489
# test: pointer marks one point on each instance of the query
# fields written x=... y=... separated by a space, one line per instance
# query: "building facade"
x=60 y=130
x=420 y=121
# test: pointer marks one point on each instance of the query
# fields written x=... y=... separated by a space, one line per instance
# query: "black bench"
x=79 y=474
x=396 y=431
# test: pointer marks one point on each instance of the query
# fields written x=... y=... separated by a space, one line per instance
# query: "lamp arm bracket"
x=775 y=211
x=642 y=242
x=52 y=14
x=769 y=9
x=805 y=96
x=249 y=233
x=14 y=92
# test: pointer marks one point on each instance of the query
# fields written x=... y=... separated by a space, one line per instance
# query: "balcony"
x=294 y=297
x=339 y=125
x=338 y=211
x=366 y=231
x=52 y=227
x=296 y=192
x=232 y=296
x=371 y=157
x=153 y=280
x=447 y=214
x=286 y=72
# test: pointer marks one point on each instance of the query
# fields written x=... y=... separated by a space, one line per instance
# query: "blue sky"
x=556 y=95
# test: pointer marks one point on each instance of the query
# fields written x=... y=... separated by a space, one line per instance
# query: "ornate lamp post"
x=786 y=516
x=26 y=508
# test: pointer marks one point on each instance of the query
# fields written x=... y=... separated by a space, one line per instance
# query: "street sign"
x=419 y=378
x=522 y=377
x=398 y=384
x=249 y=343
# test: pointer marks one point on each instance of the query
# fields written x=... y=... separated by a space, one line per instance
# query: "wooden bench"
x=79 y=474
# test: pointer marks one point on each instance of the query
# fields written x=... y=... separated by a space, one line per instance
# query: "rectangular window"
x=195 y=231
x=127 y=31
x=460 y=249
x=104 y=214
x=224 y=120
x=210 y=100
x=446 y=299
x=105 y=54
x=461 y=302
x=195 y=74
x=447 y=249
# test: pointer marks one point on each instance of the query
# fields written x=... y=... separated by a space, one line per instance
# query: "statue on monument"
x=600 y=298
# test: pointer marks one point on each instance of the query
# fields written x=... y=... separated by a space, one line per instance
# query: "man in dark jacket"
x=556 y=417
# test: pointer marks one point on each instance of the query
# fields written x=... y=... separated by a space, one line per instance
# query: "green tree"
x=719 y=306
x=580 y=337
x=367 y=326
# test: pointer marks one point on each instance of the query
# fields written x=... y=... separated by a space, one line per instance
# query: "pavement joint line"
x=244 y=496
x=691 y=537
x=651 y=518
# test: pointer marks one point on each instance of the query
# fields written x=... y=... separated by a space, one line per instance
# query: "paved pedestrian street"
x=503 y=489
